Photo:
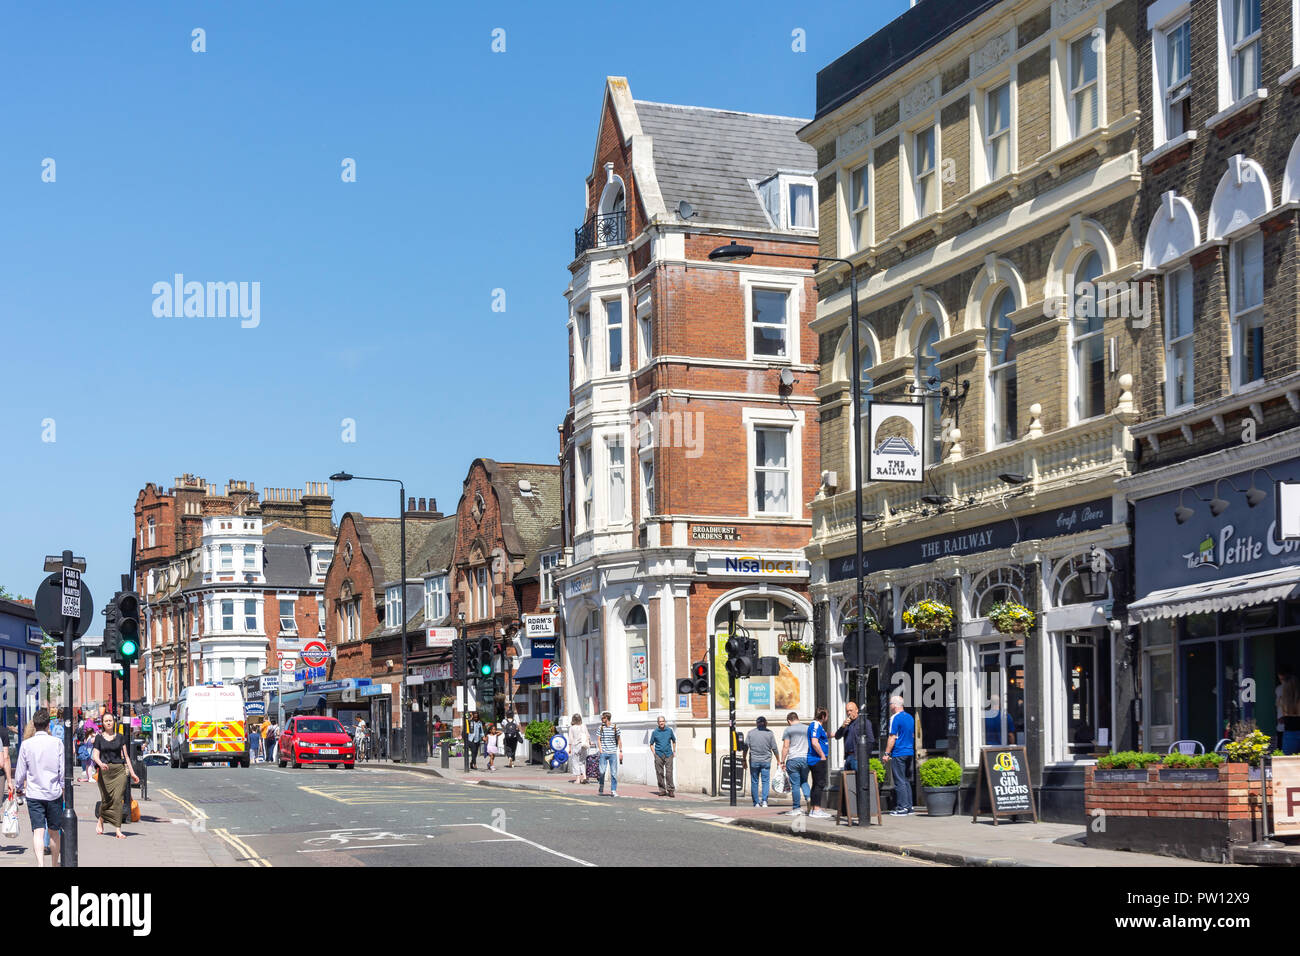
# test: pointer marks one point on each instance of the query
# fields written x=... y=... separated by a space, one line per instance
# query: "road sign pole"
x=69 y=842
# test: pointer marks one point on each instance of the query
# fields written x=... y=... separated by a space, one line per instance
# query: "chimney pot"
x=410 y=503
x=421 y=504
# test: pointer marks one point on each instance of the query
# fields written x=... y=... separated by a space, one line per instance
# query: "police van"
x=209 y=727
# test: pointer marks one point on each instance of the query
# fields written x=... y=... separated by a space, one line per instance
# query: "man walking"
x=610 y=742
x=762 y=747
x=794 y=758
x=664 y=742
x=900 y=751
x=848 y=732
x=40 y=776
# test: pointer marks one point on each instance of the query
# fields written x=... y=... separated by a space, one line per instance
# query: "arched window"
x=1242 y=198
x=1003 y=426
x=1088 y=338
x=1067 y=584
x=928 y=375
x=635 y=617
x=1174 y=233
x=935 y=589
x=995 y=586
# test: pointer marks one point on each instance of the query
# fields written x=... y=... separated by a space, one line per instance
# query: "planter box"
x=1121 y=776
x=1173 y=812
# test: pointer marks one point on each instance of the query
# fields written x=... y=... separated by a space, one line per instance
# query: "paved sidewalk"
x=953 y=840
x=165 y=836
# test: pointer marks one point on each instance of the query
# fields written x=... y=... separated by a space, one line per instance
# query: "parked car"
x=309 y=740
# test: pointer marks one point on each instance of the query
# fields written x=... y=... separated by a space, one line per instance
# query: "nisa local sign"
x=745 y=565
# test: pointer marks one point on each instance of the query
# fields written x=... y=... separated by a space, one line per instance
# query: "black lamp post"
x=734 y=252
x=403 y=699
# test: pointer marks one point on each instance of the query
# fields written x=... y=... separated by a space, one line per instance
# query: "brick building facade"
x=691 y=444
x=1220 y=420
x=985 y=187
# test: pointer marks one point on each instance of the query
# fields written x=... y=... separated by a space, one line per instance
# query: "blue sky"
x=375 y=295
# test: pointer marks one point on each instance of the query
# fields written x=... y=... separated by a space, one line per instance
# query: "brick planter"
x=1197 y=819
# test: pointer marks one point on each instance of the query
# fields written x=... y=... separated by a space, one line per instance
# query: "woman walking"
x=579 y=743
x=113 y=759
x=83 y=756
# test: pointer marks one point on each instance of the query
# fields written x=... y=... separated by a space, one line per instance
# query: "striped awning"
x=1228 y=594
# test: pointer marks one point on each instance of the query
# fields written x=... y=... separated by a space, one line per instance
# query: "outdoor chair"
x=1189 y=747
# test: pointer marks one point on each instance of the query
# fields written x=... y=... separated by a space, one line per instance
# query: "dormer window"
x=789 y=200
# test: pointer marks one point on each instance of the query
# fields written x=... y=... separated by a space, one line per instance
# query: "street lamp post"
x=734 y=252
x=403 y=698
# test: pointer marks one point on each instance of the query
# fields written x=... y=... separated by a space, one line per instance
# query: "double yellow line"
x=242 y=848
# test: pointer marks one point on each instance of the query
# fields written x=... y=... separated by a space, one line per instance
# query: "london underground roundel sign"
x=314 y=654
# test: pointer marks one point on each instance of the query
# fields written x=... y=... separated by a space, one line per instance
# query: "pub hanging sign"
x=896 y=442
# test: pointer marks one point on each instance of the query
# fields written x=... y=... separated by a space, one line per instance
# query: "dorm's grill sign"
x=897 y=442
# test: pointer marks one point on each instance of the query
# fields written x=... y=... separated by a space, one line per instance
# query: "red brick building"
x=506 y=545
x=690 y=447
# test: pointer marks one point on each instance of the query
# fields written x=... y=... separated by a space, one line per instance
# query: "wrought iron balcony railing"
x=607 y=230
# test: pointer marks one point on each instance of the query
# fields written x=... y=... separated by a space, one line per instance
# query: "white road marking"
x=519 y=839
x=373 y=846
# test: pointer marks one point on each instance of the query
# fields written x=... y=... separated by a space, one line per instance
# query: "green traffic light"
x=485 y=670
x=128 y=648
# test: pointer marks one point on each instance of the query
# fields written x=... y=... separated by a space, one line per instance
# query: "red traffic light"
x=701 y=669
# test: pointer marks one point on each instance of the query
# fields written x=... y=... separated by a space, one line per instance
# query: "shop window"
x=1002 y=676
x=1087 y=692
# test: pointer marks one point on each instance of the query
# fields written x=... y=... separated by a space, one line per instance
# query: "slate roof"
x=554 y=541
x=526 y=520
x=286 y=556
x=708 y=157
x=429 y=545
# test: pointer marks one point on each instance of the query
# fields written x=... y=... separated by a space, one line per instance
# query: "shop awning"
x=303 y=700
x=529 y=670
x=1262 y=587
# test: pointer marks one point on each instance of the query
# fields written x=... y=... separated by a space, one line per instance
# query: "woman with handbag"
x=579 y=741
x=113 y=758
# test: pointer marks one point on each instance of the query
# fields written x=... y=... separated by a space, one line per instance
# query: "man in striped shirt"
x=610 y=742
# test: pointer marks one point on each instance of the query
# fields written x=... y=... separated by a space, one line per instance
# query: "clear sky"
x=376 y=295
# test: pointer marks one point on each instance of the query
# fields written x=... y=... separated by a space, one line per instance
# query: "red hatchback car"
x=308 y=740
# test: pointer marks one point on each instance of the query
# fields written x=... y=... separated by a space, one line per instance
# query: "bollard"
x=446 y=755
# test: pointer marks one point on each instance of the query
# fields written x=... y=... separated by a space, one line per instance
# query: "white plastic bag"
x=780 y=781
x=9 y=826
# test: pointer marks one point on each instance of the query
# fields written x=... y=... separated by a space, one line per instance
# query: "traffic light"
x=741 y=656
x=485 y=657
x=112 y=636
x=470 y=660
x=458 y=660
x=128 y=626
x=700 y=676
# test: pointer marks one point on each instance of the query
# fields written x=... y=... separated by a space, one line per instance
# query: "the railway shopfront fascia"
x=1049 y=689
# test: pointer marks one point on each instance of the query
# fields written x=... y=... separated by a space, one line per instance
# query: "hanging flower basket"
x=1008 y=617
x=928 y=616
x=849 y=625
x=797 y=652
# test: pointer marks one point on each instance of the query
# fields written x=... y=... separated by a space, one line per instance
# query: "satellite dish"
x=787 y=377
x=685 y=209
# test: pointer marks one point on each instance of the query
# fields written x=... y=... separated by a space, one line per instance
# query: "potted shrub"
x=1125 y=765
x=538 y=733
x=1186 y=767
x=940 y=781
x=797 y=652
x=1250 y=749
x=1008 y=617
x=928 y=615
x=849 y=624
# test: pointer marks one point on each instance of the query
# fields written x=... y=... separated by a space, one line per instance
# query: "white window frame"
x=1076 y=382
x=755 y=418
x=1174 y=19
x=250 y=557
x=982 y=146
x=912 y=184
x=621 y=516
x=621 y=326
x=320 y=613
x=646 y=460
x=482 y=593
x=793 y=289
x=644 y=330
x=788 y=183
x=1245 y=319
x=546 y=576
x=585 y=513
x=582 y=370
x=392 y=602
x=152 y=538
x=1062 y=115
x=853 y=243
x=435 y=597
x=997 y=371
x=227 y=620
x=250 y=628
x=1073 y=93
x=933 y=437
x=292 y=627
x=1234 y=46
x=227 y=552
x=1175 y=343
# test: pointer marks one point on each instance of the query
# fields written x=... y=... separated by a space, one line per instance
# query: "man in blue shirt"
x=664 y=742
x=818 y=751
x=900 y=751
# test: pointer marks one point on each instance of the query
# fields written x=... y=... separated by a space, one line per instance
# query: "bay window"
x=614 y=334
